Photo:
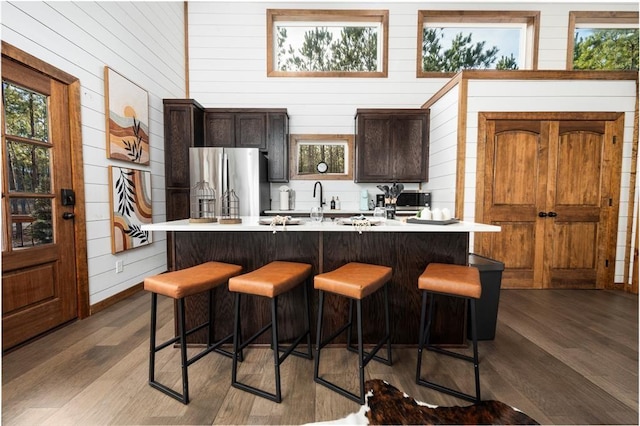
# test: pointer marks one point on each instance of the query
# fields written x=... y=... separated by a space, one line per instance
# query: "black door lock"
x=68 y=197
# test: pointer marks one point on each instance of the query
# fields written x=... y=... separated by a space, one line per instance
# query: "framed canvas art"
x=130 y=208
x=127 y=119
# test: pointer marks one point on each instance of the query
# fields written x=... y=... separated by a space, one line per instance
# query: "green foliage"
x=507 y=63
x=25 y=112
x=355 y=50
x=463 y=53
x=607 y=49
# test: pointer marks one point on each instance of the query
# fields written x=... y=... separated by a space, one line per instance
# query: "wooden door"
x=553 y=187
x=38 y=249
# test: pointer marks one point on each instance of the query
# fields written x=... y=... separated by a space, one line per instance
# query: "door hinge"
x=615 y=139
x=606 y=263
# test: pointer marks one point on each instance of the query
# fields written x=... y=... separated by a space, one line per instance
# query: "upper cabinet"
x=266 y=129
x=234 y=128
x=278 y=145
x=392 y=145
x=183 y=128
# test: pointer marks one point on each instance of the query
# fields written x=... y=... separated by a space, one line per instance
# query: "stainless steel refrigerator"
x=242 y=169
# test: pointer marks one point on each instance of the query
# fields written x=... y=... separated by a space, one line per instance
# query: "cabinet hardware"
x=552 y=214
x=542 y=214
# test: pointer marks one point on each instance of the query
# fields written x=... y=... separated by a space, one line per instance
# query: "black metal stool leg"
x=316 y=363
x=424 y=343
x=276 y=351
x=211 y=333
x=350 y=325
x=152 y=338
x=421 y=332
x=387 y=321
x=236 y=338
x=474 y=337
x=307 y=315
x=363 y=356
x=361 y=362
x=183 y=351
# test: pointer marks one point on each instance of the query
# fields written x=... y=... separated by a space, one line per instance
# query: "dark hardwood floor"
x=561 y=356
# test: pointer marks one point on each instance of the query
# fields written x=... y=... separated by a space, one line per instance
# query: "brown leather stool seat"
x=355 y=281
x=271 y=281
x=456 y=281
x=178 y=285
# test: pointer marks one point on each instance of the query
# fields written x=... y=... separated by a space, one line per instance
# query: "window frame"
x=295 y=140
x=530 y=18
x=315 y=15
x=596 y=18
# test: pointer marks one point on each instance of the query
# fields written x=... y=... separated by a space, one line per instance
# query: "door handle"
x=542 y=214
x=68 y=215
x=552 y=214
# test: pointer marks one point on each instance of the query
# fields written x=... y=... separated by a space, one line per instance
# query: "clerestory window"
x=602 y=41
x=327 y=43
x=450 y=41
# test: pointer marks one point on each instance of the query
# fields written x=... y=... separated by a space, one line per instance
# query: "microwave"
x=408 y=200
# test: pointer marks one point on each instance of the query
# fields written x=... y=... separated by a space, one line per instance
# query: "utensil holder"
x=390 y=210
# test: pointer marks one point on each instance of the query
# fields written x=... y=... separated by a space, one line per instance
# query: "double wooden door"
x=552 y=182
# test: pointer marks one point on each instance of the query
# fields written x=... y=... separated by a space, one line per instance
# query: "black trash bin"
x=487 y=305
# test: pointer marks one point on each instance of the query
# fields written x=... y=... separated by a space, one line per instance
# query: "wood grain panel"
x=407 y=253
x=23 y=288
x=515 y=163
x=579 y=151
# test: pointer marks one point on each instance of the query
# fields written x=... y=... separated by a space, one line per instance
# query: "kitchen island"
x=405 y=247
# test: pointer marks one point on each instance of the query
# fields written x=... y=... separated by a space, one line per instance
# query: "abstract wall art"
x=127 y=119
x=130 y=208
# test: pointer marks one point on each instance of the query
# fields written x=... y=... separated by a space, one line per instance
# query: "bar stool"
x=178 y=285
x=355 y=281
x=457 y=281
x=270 y=281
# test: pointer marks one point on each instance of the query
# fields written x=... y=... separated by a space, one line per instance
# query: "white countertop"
x=330 y=212
x=305 y=224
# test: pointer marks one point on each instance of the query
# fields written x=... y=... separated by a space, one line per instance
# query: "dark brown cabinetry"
x=278 y=146
x=265 y=129
x=392 y=145
x=235 y=129
x=183 y=128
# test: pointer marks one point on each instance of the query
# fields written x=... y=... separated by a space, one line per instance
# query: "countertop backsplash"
x=348 y=192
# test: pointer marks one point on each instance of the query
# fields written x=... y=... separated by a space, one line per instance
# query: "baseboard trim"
x=110 y=301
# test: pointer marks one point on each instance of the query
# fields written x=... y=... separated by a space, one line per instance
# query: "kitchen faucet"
x=314 y=192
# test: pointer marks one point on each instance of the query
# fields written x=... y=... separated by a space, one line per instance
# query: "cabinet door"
x=219 y=129
x=278 y=147
x=251 y=130
x=183 y=127
x=410 y=148
x=374 y=151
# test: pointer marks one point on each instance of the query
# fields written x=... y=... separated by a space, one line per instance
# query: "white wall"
x=227 y=59
x=144 y=41
x=443 y=140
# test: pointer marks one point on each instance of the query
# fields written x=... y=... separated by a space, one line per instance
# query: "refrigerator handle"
x=225 y=174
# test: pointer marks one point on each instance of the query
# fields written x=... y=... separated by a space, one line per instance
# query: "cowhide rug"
x=386 y=405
